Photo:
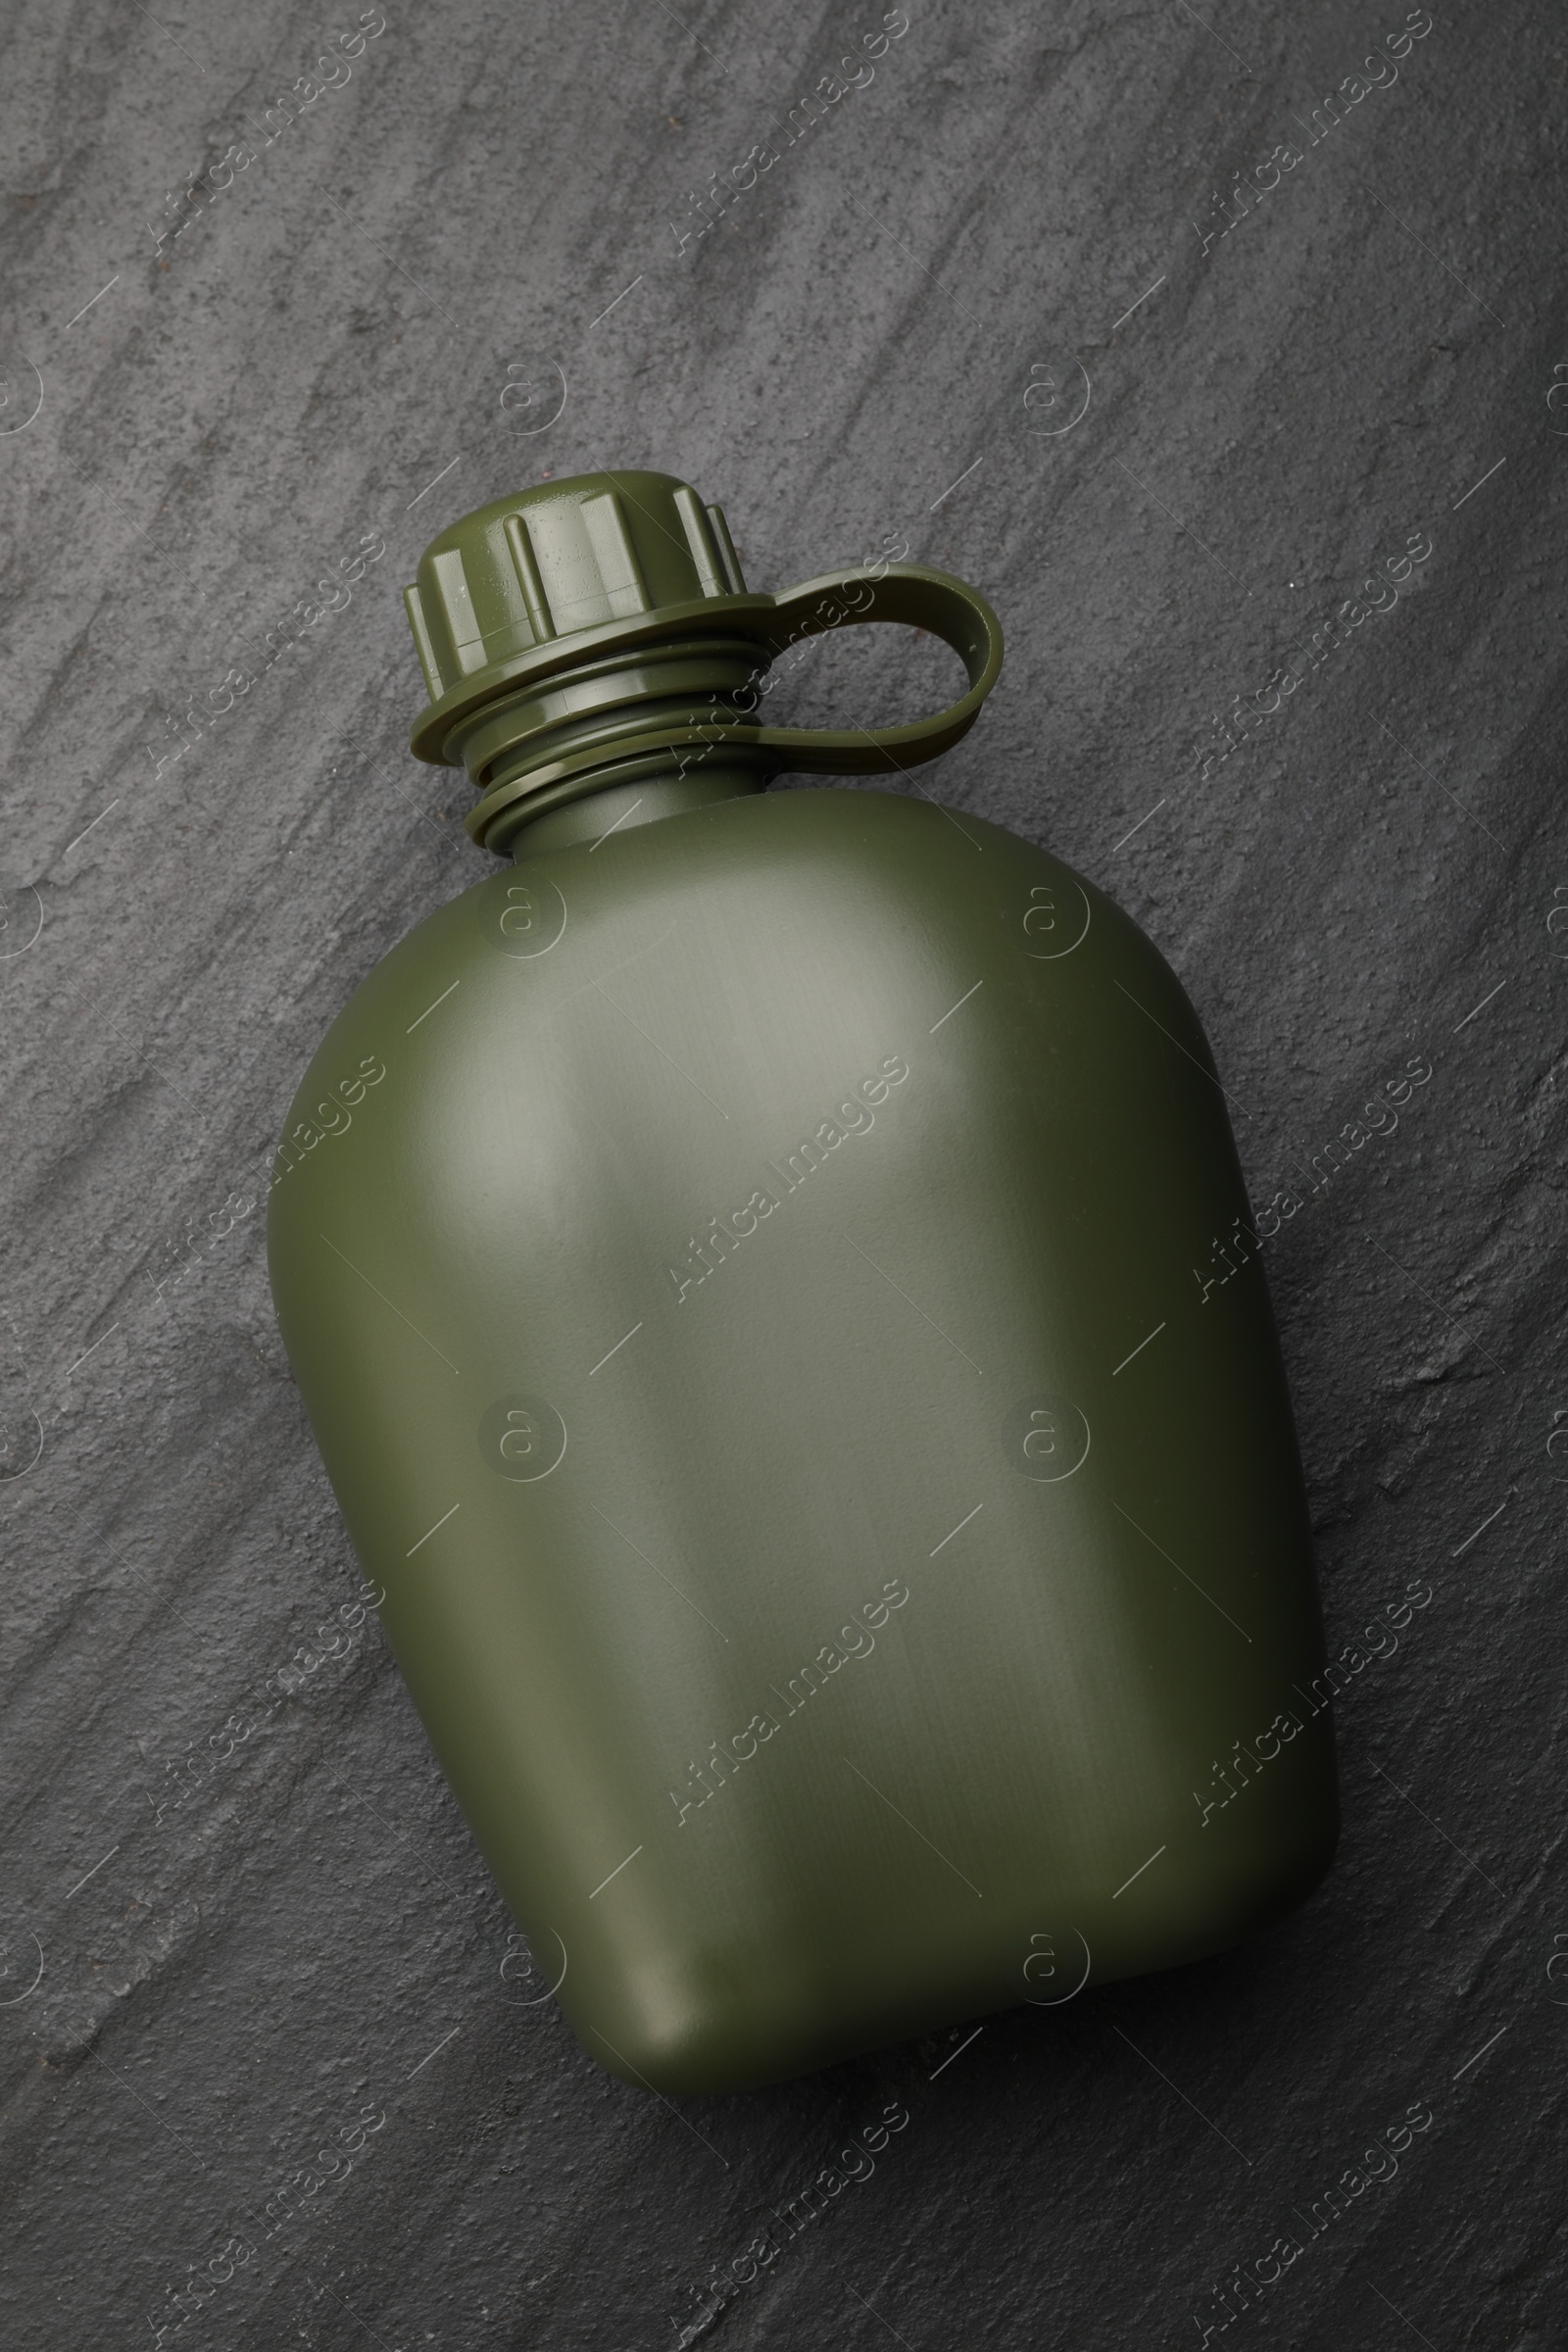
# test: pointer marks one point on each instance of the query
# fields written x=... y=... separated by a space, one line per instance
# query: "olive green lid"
x=551 y=563
x=600 y=625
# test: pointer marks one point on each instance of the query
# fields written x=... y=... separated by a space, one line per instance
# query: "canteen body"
x=740 y=1271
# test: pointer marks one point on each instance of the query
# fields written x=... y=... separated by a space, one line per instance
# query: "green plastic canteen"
x=772 y=1286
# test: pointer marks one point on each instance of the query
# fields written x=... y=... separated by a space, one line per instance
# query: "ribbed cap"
x=564 y=557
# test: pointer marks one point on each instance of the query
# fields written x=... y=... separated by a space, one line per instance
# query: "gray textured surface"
x=241 y=1953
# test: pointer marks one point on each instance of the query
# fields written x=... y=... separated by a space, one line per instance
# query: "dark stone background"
x=241 y=1952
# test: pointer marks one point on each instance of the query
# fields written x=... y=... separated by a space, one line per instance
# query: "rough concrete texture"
x=273 y=2072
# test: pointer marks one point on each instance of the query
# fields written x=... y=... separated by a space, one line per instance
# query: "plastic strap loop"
x=908 y=594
